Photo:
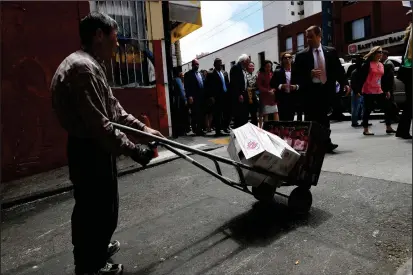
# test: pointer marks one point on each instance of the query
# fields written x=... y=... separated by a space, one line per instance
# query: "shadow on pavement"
x=264 y=224
x=259 y=227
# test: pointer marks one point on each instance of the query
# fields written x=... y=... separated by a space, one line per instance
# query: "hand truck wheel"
x=300 y=200
x=264 y=192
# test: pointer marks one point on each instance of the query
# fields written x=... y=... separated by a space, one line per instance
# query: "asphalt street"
x=176 y=219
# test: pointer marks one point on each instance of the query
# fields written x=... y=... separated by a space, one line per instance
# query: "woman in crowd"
x=252 y=100
x=375 y=88
x=285 y=90
x=267 y=95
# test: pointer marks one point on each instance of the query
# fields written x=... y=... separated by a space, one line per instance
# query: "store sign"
x=382 y=41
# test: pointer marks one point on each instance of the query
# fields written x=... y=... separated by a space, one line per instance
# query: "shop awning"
x=186 y=16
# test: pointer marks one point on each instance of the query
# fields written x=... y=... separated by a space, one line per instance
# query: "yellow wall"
x=155 y=20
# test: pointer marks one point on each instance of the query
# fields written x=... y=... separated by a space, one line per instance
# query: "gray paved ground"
x=175 y=219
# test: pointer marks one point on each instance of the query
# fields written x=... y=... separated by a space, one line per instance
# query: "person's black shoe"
x=331 y=147
x=109 y=269
x=219 y=134
x=113 y=248
x=356 y=125
x=406 y=136
x=227 y=131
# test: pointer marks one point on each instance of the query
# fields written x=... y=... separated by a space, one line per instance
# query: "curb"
x=6 y=204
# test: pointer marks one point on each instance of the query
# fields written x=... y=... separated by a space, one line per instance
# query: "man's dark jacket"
x=301 y=74
x=237 y=82
x=213 y=85
x=192 y=87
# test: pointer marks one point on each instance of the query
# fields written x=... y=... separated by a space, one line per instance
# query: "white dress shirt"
x=315 y=55
x=245 y=79
x=288 y=81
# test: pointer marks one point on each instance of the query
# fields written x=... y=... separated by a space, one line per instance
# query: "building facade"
x=358 y=26
x=37 y=36
x=287 y=12
x=260 y=47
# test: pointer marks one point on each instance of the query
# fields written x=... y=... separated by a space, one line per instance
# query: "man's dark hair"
x=316 y=29
x=217 y=60
x=91 y=23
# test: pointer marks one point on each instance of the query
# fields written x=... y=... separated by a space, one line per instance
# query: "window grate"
x=132 y=65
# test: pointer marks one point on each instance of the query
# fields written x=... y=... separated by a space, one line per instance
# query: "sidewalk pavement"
x=405 y=269
x=57 y=181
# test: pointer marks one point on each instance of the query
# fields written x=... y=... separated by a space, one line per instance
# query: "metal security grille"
x=132 y=65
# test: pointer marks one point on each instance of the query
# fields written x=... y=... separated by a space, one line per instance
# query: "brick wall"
x=295 y=28
x=36 y=37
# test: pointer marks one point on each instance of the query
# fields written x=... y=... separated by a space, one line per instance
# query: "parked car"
x=399 y=94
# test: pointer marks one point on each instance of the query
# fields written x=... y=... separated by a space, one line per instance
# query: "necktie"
x=200 y=81
x=223 y=82
x=323 y=77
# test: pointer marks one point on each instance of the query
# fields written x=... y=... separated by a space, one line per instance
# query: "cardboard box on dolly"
x=258 y=148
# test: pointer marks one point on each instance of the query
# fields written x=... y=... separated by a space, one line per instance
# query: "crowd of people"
x=311 y=85
x=212 y=97
x=86 y=107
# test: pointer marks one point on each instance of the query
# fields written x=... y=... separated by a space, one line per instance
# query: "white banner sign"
x=383 y=41
x=406 y=4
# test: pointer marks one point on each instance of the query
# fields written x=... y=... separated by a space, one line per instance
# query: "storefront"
x=391 y=42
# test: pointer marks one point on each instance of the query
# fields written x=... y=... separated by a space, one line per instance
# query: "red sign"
x=352 y=49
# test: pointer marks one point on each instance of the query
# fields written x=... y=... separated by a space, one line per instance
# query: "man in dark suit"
x=405 y=75
x=216 y=87
x=194 y=88
x=285 y=89
x=227 y=111
x=238 y=89
x=316 y=70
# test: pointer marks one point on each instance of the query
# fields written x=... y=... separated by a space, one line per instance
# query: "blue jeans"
x=356 y=107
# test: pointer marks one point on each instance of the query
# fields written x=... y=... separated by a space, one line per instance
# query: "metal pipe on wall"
x=168 y=57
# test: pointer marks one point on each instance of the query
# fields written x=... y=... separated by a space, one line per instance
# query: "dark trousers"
x=253 y=111
x=316 y=106
x=382 y=101
x=403 y=128
x=197 y=116
x=182 y=117
x=337 y=108
x=286 y=109
x=240 y=114
x=95 y=214
x=218 y=113
x=226 y=111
